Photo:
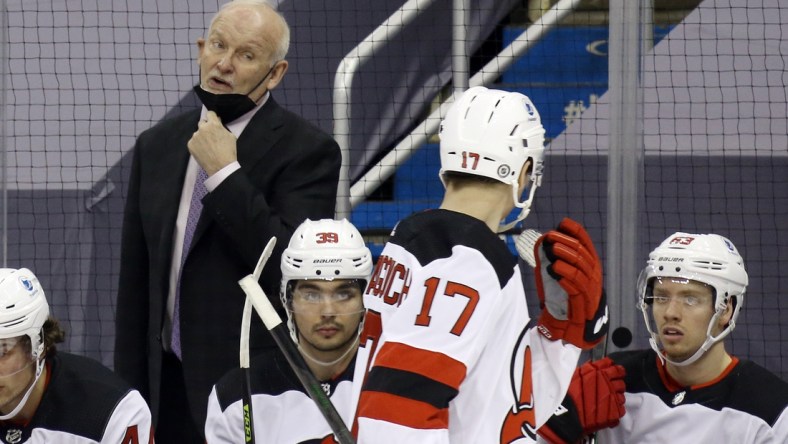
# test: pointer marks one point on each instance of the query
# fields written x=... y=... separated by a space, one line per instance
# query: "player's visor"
x=15 y=355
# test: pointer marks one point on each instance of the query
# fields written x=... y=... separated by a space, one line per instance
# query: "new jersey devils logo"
x=520 y=421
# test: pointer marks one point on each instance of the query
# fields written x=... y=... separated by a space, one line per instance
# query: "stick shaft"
x=247 y=409
x=281 y=336
x=313 y=387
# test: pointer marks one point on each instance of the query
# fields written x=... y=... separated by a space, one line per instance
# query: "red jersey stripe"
x=403 y=411
x=433 y=365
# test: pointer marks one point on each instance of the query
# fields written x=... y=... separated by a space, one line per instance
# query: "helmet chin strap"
x=525 y=206
x=352 y=346
x=707 y=344
x=698 y=353
x=39 y=370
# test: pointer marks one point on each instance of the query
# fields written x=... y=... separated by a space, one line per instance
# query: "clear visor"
x=695 y=297
x=322 y=297
x=15 y=355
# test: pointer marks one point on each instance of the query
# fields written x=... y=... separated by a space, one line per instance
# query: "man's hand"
x=569 y=284
x=595 y=401
x=212 y=145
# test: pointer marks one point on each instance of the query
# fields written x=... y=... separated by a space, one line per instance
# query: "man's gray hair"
x=280 y=52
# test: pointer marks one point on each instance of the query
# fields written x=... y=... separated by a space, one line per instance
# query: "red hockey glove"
x=569 y=283
x=595 y=401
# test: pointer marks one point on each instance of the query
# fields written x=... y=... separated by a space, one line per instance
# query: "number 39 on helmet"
x=323 y=249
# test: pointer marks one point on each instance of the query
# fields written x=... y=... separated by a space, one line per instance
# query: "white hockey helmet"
x=491 y=133
x=708 y=258
x=23 y=307
x=325 y=249
x=23 y=311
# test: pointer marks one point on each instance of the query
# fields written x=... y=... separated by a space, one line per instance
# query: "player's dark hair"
x=53 y=334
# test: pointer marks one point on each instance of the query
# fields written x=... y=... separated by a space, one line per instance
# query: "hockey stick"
x=246 y=322
x=281 y=335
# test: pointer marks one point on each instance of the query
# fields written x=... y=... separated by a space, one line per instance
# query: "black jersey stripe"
x=426 y=236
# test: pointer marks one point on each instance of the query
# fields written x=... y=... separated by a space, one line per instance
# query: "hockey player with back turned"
x=686 y=389
x=447 y=354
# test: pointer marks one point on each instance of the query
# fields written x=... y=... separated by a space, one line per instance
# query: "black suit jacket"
x=289 y=172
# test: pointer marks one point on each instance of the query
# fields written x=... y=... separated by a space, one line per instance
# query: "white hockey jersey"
x=283 y=413
x=746 y=404
x=84 y=403
x=446 y=354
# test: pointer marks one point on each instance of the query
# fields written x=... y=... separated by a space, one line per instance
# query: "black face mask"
x=229 y=106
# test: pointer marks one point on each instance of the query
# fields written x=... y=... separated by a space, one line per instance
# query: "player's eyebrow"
x=312 y=286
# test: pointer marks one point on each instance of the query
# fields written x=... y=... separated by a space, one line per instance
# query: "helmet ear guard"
x=707 y=258
x=492 y=133
x=325 y=249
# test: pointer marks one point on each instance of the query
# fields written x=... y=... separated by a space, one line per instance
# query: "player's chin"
x=336 y=342
x=677 y=353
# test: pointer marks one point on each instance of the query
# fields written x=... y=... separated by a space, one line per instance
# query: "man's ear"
x=727 y=314
x=280 y=68
x=523 y=179
x=200 y=48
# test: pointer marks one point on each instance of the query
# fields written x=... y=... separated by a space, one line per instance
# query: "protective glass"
x=664 y=301
x=342 y=300
x=693 y=296
x=15 y=355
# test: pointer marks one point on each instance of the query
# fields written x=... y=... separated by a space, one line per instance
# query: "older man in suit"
x=207 y=190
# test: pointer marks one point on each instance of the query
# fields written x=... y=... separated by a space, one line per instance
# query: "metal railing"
x=419 y=136
x=343 y=84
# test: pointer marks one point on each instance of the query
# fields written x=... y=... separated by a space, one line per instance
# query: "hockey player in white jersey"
x=48 y=396
x=324 y=271
x=687 y=388
x=447 y=354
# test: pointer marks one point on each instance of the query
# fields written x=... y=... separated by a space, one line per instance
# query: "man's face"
x=327 y=313
x=238 y=52
x=17 y=371
x=682 y=310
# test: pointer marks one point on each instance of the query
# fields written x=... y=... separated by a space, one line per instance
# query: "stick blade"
x=269 y=248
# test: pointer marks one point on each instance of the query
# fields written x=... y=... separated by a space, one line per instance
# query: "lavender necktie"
x=195 y=208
